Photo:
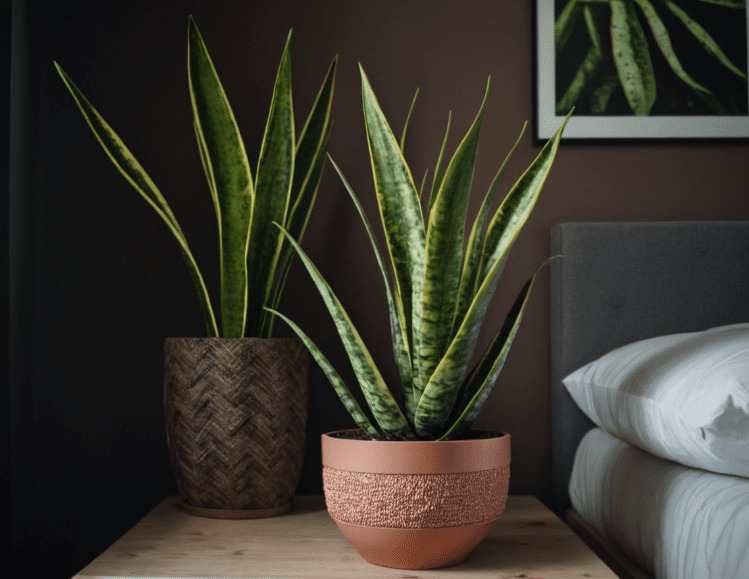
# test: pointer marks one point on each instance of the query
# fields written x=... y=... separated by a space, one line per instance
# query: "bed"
x=668 y=292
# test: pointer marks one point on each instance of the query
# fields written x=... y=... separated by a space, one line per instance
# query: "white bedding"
x=673 y=521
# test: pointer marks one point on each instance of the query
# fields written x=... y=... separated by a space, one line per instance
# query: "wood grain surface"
x=527 y=542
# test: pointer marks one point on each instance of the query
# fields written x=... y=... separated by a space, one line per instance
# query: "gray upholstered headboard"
x=622 y=282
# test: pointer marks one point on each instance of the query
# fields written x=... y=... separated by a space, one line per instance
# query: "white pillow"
x=683 y=397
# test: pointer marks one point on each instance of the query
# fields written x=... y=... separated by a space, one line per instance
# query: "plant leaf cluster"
x=284 y=188
x=439 y=294
x=626 y=61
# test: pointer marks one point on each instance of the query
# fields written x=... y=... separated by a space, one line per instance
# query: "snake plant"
x=284 y=188
x=625 y=62
x=440 y=296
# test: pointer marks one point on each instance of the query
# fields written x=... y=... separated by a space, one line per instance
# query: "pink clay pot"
x=415 y=505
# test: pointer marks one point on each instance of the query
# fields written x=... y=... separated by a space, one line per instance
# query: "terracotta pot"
x=235 y=411
x=415 y=505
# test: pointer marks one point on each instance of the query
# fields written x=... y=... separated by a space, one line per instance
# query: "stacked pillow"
x=682 y=397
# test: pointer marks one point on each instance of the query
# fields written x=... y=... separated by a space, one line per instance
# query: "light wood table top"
x=528 y=541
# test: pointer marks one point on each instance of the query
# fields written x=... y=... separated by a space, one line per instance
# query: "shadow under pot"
x=235 y=412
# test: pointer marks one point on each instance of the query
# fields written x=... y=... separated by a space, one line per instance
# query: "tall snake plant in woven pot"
x=416 y=474
x=235 y=402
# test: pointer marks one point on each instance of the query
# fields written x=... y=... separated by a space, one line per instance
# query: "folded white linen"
x=673 y=521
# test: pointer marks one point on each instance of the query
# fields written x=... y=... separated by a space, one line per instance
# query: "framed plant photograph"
x=641 y=69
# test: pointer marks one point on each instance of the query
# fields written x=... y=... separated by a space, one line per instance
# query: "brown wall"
x=108 y=283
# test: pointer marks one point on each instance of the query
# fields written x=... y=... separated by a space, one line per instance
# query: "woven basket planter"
x=235 y=411
x=415 y=505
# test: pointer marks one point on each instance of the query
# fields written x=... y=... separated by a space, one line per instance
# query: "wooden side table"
x=528 y=541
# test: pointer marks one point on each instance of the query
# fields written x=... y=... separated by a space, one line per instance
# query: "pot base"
x=235 y=514
x=415 y=548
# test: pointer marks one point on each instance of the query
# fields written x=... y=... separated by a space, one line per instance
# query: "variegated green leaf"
x=579 y=84
x=134 y=173
x=439 y=396
x=379 y=398
x=229 y=176
x=439 y=172
x=592 y=18
x=599 y=100
x=335 y=379
x=309 y=157
x=299 y=213
x=405 y=126
x=444 y=252
x=206 y=167
x=515 y=209
x=704 y=38
x=476 y=390
x=272 y=194
x=729 y=3
x=472 y=261
x=565 y=24
x=309 y=161
x=663 y=39
x=632 y=58
x=400 y=211
x=588 y=69
x=400 y=347
x=423 y=183
x=296 y=225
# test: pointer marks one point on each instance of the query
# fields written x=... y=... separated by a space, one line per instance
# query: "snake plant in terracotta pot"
x=235 y=401
x=415 y=487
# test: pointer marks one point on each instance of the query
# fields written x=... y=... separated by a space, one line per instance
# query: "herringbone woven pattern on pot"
x=235 y=411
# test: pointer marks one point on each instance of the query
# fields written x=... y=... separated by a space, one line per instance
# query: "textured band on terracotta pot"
x=419 y=501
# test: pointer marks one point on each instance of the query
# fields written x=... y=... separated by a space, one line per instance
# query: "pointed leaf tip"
x=363 y=74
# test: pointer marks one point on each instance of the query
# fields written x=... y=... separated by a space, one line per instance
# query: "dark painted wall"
x=97 y=281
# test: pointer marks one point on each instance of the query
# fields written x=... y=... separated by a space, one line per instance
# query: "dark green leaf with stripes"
x=272 y=194
x=229 y=174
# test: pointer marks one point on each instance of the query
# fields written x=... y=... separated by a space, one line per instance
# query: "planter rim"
x=415 y=457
